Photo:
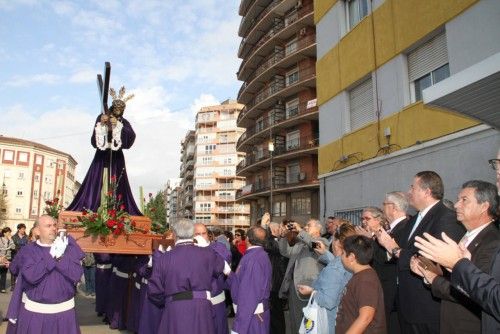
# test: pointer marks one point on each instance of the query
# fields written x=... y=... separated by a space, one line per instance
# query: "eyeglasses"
x=387 y=203
x=237 y=235
x=494 y=163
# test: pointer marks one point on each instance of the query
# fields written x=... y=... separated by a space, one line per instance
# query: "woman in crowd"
x=333 y=278
x=6 y=247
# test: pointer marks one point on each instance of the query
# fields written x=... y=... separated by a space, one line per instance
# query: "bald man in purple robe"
x=251 y=287
x=218 y=283
x=50 y=270
x=181 y=283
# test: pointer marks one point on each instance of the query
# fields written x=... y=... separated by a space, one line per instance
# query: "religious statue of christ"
x=112 y=133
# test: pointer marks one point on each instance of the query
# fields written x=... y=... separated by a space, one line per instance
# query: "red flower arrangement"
x=53 y=207
x=110 y=217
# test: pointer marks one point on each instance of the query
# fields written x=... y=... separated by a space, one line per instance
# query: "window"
x=223 y=138
x=37 y=177
x=8 y=156
x=301 y=206
x=209 y=148
x=260 y=153
x=259 y=125
x=19 y=193
x=38 y=159
x=352 y=215
x=361 y=105
x=205 y=207
x=228 y=161
x=279 y=209
x=292 y=108
x=292 y=77
x=21 y=176
x=356 y=11
x=34 y=211
x=5 y=192
x=35 y=194
x=206 y=160
x=293 y=140
x=427 y=65
x=291 y=47
x=22 y=158
x=18 y=210
x=293 y=173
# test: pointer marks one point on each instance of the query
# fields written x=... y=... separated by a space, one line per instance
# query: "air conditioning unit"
x=302 y=31
x=302 y=176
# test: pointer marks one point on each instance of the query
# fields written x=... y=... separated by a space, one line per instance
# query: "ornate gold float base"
x=133 y=243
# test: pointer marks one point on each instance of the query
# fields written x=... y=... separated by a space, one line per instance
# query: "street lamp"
x=271 y=150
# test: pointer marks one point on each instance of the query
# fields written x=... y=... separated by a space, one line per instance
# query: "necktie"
x=464 y=241
x=417 y=222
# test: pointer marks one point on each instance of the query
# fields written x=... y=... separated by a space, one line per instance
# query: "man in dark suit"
x=395 y=207
x=473 y=272
x=458 y=313
x=419 y=310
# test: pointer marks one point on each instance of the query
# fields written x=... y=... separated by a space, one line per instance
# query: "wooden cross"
x=104 y=88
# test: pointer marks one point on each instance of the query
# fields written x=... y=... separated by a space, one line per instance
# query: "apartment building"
x=278 y=52
x=171 y=199
x=185 y=191
x=397 y=82
x=216 y=157
x=31 y=174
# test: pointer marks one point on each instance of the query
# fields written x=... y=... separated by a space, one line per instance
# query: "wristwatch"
x=395 y=251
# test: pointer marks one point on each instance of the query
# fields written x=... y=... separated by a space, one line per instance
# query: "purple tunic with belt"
x=185 y=268
x=120 y=286
x=218 y=287
x=48 y=281
x=151 y=313
x=16 y=298
x=250 y=286
x=136 y=292
x=89 y=194
x=103 y=272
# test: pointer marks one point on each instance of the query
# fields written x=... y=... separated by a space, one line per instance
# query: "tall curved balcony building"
x=278 y=52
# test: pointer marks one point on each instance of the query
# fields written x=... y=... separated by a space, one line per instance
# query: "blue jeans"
x=89 y=273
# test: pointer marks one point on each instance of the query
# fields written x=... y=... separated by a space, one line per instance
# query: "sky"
x=176 y=56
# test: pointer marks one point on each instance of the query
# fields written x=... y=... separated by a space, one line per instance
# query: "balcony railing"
x=263 y=187
x=304 y=11
x=254 y=22
x=290 y=113
x=275 y=58
x=301 y=143
x=305 y=74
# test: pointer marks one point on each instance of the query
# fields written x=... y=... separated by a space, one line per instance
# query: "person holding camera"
x=303 y=267
x=333 y=278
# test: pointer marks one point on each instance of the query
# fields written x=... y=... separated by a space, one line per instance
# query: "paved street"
x=89 y=322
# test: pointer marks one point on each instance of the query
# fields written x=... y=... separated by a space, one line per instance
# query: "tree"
x=156 y=211
x=3 y=210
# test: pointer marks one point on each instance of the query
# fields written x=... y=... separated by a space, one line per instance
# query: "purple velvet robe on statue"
x=251 y=285
x=185 y=268
x=218 y=287
x=89 y=195
x=48 y=281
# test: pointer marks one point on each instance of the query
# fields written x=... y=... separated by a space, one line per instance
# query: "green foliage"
x=156 y=211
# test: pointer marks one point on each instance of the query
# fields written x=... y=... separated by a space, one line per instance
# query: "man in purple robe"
x=120 y=285
x=182 y=281
x=50 y=270
x=103 y=273
x=251 y=287
x=150 y=316
x=111 y=134
x=218 y=283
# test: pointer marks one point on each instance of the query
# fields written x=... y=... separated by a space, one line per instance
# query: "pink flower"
x=122 y=207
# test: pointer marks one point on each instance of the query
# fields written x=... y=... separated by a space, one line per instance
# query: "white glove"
x=227 y=268
x=13 y=321
x=150 y=262
x=58 y=247
x=161 y=249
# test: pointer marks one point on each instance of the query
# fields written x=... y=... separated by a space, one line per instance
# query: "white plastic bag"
x=315 y=319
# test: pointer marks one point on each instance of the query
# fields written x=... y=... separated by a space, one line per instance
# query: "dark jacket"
x=417 y=305
x=482 y=288
x=458 y=313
